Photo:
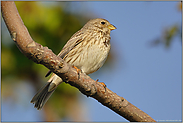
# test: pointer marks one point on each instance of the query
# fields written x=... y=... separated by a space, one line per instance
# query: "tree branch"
x=43 y=55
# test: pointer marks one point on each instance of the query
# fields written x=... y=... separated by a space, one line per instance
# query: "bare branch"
x=43 y=55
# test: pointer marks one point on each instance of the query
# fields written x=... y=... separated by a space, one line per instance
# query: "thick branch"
x=43 y=55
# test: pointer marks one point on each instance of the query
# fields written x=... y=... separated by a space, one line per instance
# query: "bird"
x=87 y=50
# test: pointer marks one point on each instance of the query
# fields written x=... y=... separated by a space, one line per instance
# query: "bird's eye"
x=102 y=22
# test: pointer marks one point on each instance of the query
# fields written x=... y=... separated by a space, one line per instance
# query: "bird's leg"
x=102 y=83
x=78 y=70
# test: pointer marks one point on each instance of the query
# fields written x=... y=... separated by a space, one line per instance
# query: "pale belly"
x=89 y=59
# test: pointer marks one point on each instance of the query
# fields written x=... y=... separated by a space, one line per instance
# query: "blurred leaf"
x=49 y=26
x=169 y=33
x=168 y=36
x=179 y=6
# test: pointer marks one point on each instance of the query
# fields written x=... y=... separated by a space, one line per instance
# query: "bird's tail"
x=42 y=96
x=46 y=91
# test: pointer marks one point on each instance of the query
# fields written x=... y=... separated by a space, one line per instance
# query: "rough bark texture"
x=43 y=55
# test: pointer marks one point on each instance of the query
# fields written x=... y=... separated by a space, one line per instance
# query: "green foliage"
x=170 y=33
x=50 y=26
x=168 y=36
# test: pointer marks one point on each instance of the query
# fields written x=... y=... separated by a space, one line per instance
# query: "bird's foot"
x=77 y=69
x=102 y=83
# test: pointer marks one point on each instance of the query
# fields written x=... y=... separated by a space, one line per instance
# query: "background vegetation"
x=52 y=24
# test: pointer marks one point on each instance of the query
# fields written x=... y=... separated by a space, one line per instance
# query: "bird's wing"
x=73 y=42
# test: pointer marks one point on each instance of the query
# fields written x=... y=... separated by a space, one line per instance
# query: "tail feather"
x=42 y=96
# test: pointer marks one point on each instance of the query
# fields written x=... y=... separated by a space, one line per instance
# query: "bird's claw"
x=78 y=70
x=102 y=83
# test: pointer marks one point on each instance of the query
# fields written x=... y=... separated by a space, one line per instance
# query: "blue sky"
x=148 y=77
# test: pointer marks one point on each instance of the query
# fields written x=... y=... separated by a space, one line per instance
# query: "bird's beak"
x=111 y=27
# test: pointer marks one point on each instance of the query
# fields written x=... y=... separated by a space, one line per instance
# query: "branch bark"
x=43 y=55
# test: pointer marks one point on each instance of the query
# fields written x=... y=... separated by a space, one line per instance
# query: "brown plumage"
x=87 y=49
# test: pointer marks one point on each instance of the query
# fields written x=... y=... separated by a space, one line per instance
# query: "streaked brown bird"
x=87 y=49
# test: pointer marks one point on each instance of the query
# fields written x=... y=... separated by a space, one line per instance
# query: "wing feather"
x=76 y=39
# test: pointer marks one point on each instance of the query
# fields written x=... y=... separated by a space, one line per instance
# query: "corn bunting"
x=87 y=49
